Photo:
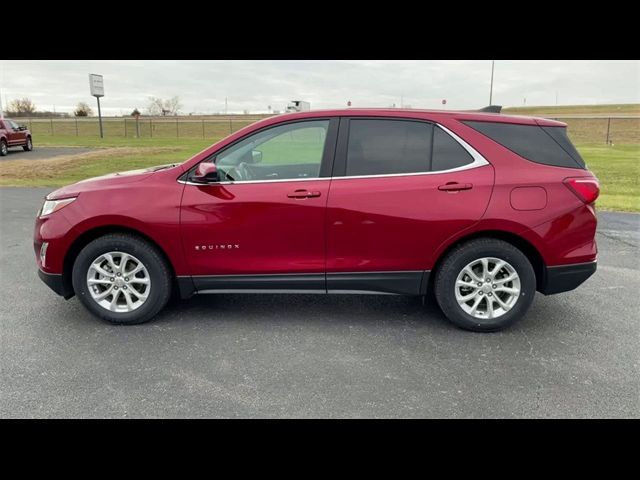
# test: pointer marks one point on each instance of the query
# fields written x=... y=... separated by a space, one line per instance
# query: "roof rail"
x=491 y=109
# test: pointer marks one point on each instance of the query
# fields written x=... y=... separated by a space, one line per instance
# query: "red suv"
x=480 y=208
x=14 y=135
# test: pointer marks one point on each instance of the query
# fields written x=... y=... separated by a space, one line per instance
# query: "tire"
x=470 y=253
x=29 y=145
x=139 y=251
x=3 y=148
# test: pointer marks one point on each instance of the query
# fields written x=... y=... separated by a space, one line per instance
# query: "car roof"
x=468 y=115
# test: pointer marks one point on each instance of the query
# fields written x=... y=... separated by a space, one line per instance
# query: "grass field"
x=618 y=170
x=112 y=155
x=614 y=109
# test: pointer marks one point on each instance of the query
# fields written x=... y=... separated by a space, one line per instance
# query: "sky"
x=254 y=85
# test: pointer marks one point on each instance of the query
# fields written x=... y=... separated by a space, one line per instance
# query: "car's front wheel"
x=3 y=148
x=122 y=278
x=485 y=285
x=27 y=147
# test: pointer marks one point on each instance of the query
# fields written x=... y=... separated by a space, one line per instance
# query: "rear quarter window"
x=447 y=152
x=546 y=145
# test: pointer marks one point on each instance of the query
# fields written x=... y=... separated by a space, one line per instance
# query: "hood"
x=106 y=181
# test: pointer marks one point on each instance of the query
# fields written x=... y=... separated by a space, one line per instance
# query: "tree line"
x=24 y=107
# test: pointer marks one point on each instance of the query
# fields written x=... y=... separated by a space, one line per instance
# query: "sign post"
x=96 y=85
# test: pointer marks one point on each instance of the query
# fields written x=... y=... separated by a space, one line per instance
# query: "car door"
x=15 y=136
x=262 y=225
x=400 y=189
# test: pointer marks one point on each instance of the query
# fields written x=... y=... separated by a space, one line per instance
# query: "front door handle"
x=303 y=194
x=455 y=187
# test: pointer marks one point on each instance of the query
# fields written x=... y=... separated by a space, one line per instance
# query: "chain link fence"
x=605 y=129
x=611 y=129
x=144 y=127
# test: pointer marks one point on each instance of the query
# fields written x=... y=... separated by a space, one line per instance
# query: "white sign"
x=96 y=85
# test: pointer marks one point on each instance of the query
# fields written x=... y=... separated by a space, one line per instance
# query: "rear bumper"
x=55 y=283
x=564 y=278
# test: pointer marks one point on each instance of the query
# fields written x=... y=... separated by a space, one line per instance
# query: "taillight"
x=586 y=189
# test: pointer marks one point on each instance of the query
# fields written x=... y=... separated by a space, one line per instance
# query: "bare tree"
x=158 y=106
x=155 y=106
x=173 y=105
x=21 y=107
x=83 y=110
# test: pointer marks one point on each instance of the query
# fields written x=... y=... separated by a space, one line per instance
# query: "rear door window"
x=383 y=147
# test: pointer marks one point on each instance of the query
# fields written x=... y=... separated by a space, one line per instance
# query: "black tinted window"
x=559 y=134
x=447 y=152
x=378 y=147
x=548 y=145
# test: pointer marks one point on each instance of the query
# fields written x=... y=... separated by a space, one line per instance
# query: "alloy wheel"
x=118 y=282
x=487 y=288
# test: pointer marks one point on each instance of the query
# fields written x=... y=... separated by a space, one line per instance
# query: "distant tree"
x=135 y=112
x=83 y=110
x=21 y=107
x=173 y=105
x=158 y=106
x=155 y=106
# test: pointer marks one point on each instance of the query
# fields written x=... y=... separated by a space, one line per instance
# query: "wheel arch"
x=518 y=241
x=91 y=234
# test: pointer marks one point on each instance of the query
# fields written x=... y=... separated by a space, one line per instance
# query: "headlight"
x=51 y=206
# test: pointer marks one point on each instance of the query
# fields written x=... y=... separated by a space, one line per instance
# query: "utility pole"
x=491 y=88
x=225 y=105
x=556 y=97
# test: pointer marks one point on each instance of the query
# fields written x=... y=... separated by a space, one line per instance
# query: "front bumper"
x=56 y=283
x=563 y=278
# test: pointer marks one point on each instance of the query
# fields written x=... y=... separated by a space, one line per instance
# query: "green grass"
x=617 y=167
x=110 y=142
x=112 y=155
x=618 y=170
x=613 y=109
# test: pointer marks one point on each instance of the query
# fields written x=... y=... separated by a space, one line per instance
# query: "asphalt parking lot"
x=574 y=355
x=43 y=153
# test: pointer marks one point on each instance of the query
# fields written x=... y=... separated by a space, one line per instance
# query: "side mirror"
x=257 y=156
x=206 y=172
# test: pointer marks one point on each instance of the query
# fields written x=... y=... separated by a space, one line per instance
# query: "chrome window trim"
x=244 y=182
x=478 y=161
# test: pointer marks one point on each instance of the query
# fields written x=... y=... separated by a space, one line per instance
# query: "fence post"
x=608 y=128
x=151 y=127
x=76 y=126
x=125 y=127
x=177 y=129
x=203 y=128
x=30 y=127
x=51 y=126
x=230 y=127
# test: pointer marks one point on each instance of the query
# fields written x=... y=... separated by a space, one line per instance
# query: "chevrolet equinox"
x=480 y=208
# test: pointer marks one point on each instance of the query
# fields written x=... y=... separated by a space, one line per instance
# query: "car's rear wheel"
x=485 y=285
x=3 y=148
x=122 y=278
x=28 y=146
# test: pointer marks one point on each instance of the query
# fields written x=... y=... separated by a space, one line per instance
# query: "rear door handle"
x=303 y=194
x=455 y=187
